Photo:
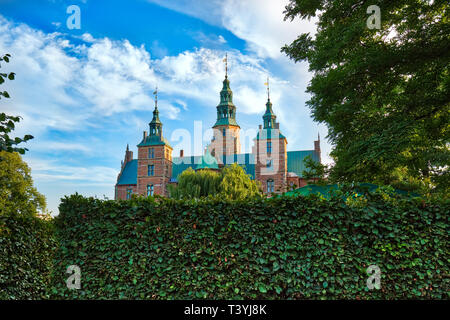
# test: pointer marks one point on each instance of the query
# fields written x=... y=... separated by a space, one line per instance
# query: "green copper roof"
x=207 y=162
x=296 y=159
x=246 y=160
x=153 y=141
x=155 y=119
x=226 y=110
x=129 y=173
x=269 y=116
x=226 y=122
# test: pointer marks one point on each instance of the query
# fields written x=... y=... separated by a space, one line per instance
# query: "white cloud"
x=259 y=22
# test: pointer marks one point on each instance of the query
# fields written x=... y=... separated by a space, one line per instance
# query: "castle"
x=269 y=162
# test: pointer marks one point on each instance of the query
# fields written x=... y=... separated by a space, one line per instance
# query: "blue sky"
x=84 y=94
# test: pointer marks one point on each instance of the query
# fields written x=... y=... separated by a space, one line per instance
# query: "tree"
x=17 y=193
x=231 y=183
x=236 y=184
x=7 y=123
x=192 y=184
x=383 y=93
x=315 y=173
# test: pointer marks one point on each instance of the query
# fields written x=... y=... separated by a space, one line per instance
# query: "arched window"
x=270 y=186
x=223 y=132
x=149 y=190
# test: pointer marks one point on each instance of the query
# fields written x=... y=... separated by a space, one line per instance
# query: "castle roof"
x=295 y=164
x=129 y=173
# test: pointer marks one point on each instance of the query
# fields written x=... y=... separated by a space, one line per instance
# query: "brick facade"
x=151 y=172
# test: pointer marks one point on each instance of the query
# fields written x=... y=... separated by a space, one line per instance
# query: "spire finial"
x=128 y=149
x=156 y=97
x=268 y=89
x=226 y=64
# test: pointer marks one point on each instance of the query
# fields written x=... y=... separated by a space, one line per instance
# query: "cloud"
x=259 y=22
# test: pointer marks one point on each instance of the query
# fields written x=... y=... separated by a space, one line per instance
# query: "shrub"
x=26 y=256
x=278 y=248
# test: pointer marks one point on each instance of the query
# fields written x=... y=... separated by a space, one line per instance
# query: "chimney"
x=317 y=148
x=260 y=127
x=181 y=153
x=145 y=134
x=277 y=125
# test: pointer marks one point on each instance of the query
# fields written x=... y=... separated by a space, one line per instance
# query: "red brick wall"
x=162 y=162
x=228 y=145
x=279 y=163
x=121 y=191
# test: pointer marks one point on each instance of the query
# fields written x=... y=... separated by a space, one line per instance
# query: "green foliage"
x=27 y=244
x=192 y=184
x=316 y=172
x=383 y=93
x=7 y=123
x=17 y=193
x=277 y=248
x=236 y=184
x=231 y=183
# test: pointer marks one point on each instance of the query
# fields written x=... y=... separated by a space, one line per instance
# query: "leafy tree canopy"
x=231 y=183
x=383 y=93
x=7 y=123
x=17 y=193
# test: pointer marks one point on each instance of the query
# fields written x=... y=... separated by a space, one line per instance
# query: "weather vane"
x=268 y=91
x=226 y=64
x=156 y=96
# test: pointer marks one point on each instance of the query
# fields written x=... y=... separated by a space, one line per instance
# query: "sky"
x=84 y=94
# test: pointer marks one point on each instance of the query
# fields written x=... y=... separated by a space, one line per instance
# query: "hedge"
x=27 y=245
x=278 y=248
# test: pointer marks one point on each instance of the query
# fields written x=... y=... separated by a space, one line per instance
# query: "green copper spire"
x=155 y=124
x=155 y=136
x=269 y=117
x=226 y=110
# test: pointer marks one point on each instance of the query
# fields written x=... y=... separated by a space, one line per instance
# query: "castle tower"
x=271 y=153
x=226 y=130
x=154 y=159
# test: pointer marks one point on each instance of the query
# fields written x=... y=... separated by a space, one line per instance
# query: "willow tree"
x=381 y=85
x=230 y=183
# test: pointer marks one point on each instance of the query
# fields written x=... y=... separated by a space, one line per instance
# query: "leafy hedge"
x=279 y=248
x=27 y=245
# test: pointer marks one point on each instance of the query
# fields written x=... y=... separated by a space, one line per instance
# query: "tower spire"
x=268 y=89
x=226 y=64
x=156 y=97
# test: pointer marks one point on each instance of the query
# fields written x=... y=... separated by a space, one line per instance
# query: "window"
x=223 y=132
x=269 y=165
x=150 y=170
x=129 y=193
x=270 y=186
x=269 y=147
x=151 y=153
x=149 y=190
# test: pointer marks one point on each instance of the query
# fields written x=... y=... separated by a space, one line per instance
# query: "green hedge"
x=27 y=245
x=279 y=248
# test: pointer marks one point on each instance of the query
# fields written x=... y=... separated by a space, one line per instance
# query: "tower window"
x=270 y=186
x=149 y=190
x=129 y=193
x=150 y=170
x=270 y=164
x=223 y=132
x=151 y=153
x=269 y=147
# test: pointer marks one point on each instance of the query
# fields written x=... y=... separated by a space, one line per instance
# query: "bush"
x=26 y=256
x=278 y=248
